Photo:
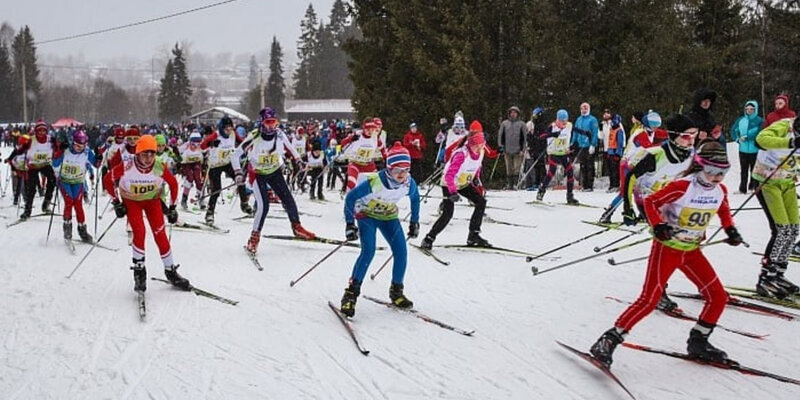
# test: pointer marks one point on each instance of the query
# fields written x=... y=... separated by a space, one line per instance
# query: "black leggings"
x=214 y=176
x=33 y=182
x=277 y=183
x=447 y=210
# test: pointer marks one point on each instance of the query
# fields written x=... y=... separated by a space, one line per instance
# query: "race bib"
x=266 y=161
x=694 y=219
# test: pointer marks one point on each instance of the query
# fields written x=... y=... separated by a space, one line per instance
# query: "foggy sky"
x=245 y=26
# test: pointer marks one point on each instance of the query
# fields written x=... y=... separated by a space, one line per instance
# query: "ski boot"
x=209 y=217
x=603 y=349
x=313 y=196
x=301 y=232
x=697 y=345
x=606 y=217
x=320 y=196
x=768 y=285
x=139 y=275
x=25 y=214
x=176 y=279
x=475 y=240
x=427 y=242
x=85 y=236
x=185 y=202
x=46 y=208
x=571 y=200
x=68 y=230
x=399 y=300
x=666 y=304
x=540 y=193
x=245 y=207
x=788 y=286
x=351 y=293
x=252 y=243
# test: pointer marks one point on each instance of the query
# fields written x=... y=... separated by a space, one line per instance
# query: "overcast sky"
x=244 y=26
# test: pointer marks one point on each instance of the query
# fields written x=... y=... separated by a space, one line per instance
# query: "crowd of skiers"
x=665 y=174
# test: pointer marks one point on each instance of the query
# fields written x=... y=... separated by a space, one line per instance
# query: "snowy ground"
x=81 y=338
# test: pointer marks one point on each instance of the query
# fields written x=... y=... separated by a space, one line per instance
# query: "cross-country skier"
x=19 y=167
x=220 y=146
x=264 y=148
x=39 y=154
x=461 y=177
x=192 y=159
x=679 y=214
x=72 y=166
x=558 y=141
x=373 y=204
x=361 y=149
x=779 y=201
x=316 y=165
x=140 y=182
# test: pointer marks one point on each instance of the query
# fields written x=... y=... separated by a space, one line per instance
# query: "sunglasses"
x=712 y=168
x=398 y=170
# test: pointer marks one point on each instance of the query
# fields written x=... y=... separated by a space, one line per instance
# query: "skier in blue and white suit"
x=373 y=203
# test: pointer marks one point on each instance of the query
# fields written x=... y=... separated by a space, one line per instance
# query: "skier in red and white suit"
x=140 y=182
x=361 y=150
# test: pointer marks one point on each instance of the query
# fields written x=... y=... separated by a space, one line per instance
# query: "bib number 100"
x=143 y=189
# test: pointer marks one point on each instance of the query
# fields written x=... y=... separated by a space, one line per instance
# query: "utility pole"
x=24 y=95
x=261 y=85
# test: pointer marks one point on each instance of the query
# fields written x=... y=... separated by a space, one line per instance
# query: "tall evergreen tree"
x=7 y=104
x=24 y=54
x=338 y=22
x=176 y=90
x=253 y=76
x=306 y=49
x=274 y=96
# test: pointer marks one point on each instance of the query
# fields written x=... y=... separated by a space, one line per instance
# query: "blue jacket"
x=587 y=124
x=746 y=128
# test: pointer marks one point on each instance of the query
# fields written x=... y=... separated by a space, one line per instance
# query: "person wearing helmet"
x=39 y=154
x=192 y=158
x=777 y=169
x=72 y=166
x=372 y=204
x=461 y=177
x=219 y=147
x=140 y=182
x=679 y=213
x=558 y=137
x=264 y=149
x=653 y=168
x=361 y=149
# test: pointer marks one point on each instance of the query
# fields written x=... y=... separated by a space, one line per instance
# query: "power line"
x=148 y=70
x=119 y=27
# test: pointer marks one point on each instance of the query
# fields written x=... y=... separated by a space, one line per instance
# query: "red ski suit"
x=664 y=260
x=141 y=190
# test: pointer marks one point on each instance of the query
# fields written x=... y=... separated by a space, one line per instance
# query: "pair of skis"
x=142 y=304
x=728 y=364
x=348 y=323
x=200 y=227
x=745 y=305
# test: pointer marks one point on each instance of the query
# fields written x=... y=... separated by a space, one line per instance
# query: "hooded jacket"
x=703 y=117
x=746 y=128
x=511 y=135
x=776 y=115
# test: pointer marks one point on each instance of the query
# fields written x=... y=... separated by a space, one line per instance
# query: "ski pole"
x=758 y=189
x=536 y=271
x=94 y=245
x=531 y=258
x=294 y=282
x=216 y=191
x=494 y=166
x=104 y=209
x=96 y=200
x=52 y=214
x=522 y=179
x=611 y=260
x=598 y=249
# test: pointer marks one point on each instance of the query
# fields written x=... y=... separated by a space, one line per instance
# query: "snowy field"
x=81 y=338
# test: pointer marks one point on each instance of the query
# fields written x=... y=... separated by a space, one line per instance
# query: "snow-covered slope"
x=81 y=338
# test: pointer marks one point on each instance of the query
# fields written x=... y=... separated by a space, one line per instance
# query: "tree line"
x=419 y=60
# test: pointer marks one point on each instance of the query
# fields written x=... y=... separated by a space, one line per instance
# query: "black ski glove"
x=351 y=232
x=734 y=238
x=663 y=232
x=172 y=214
x=413 y=230
x=119 y=208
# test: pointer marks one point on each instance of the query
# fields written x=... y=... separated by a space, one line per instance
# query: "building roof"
x=220 y=111
x=319 y=106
